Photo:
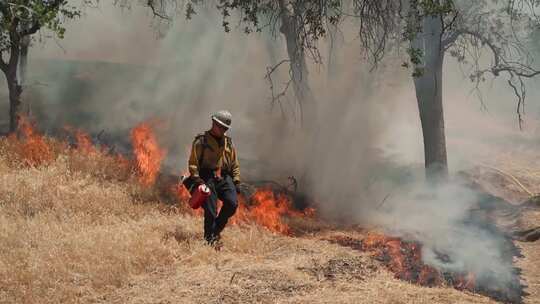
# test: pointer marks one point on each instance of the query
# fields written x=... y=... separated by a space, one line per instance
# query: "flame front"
x=268 y=210
x=265 y=209
x=84 y=142
x=404 y=259
x=148 y=154
x=32 y=146
x=181 y=192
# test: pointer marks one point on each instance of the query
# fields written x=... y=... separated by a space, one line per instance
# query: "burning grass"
x=269 y=210
x=79 y=224
x=148 y=154
x=32 y=149
x=77 y=221
x=68 y=236
x=404 y=260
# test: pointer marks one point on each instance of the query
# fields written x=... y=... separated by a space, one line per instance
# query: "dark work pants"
x=223 y=189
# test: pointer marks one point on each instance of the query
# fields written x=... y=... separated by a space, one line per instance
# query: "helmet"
x=223 y=118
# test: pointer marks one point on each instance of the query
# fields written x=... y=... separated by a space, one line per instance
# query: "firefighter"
x=213 y=161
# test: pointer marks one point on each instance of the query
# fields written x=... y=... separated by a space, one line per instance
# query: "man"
x=213 y=161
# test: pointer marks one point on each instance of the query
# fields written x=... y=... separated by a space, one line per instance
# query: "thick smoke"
x=449 y=222
x=112 y=72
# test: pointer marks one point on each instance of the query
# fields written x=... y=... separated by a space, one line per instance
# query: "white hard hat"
x=223 y=118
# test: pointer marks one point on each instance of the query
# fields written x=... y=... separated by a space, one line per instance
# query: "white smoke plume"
x=112 y=72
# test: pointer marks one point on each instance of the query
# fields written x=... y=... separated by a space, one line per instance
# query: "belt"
x=215 y=171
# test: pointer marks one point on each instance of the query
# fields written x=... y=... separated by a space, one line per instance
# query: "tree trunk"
x=10 y=70
x=23 y=68
x=290 y=27
x=23 y=59
x=428 y=87
x=15 y=90
x=333 y=43
x=302 y=90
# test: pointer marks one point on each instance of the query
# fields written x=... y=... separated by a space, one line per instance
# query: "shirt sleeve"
x=235 y=166
x=194 y=157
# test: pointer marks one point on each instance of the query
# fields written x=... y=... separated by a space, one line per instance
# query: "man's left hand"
x=238 y=186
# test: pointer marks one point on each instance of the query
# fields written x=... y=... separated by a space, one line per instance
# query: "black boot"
x=214 y=241
x=209 y=238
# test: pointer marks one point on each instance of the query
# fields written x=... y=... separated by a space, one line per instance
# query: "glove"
x=238 y=186
x=198 y=181
x=192 y=182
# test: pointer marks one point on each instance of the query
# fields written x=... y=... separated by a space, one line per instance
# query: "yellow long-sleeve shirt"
x=207 y=152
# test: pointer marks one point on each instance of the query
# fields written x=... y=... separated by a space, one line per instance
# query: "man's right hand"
x=192 y=182
x=197 y=181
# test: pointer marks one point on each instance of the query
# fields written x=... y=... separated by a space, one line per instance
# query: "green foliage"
x=469 y=27
x=20 y=18
x=415 y=55
x=310 y=17
x=417 y=11
x=435 y=8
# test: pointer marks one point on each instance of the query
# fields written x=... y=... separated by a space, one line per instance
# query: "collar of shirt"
x=219 y=141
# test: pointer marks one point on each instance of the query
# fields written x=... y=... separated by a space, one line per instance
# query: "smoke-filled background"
x=118 y=67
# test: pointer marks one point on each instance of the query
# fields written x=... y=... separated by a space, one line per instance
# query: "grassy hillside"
x=76 y=227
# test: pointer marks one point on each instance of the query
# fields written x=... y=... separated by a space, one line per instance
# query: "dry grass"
x=79 y=230
x=66 y=231
x=525 y=169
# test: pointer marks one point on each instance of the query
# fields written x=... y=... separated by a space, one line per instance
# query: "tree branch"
x=500 y=64
x=151 y=5
x=14 y=44
x=521 y=99
x=36 y=26
x=276 y=98
x=3 y=64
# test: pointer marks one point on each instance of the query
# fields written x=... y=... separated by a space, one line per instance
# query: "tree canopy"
x=20 y=18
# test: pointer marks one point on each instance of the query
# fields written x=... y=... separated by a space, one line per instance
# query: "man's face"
x=219 y=129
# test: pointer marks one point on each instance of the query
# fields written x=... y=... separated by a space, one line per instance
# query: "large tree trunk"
x=15 y=90
x=23 y=69
x=334 y=42
x=429 y=96
x=302 y=90
x=290 y=27
x=10 y=70
x=23 y=60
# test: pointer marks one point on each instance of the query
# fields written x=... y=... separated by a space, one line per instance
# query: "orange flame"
x=269 y=211
x=466 y=282
x=32 y=147
x=83 y=140
x=84 y=143
x=265 y=209
x=181 y=192
x=148 y=154
x=404 y=259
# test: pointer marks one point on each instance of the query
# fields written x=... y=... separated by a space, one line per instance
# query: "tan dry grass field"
x=79 y=229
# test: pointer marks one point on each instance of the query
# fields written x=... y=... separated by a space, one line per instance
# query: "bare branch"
x=152 y=5
x=36 y=26
x=276 y=98
x=379 y=23
x=521 y=99
x=3 y=64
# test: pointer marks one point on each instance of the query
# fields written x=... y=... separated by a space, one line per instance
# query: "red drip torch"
x=199 y=196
